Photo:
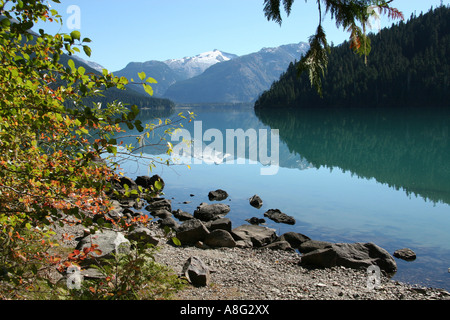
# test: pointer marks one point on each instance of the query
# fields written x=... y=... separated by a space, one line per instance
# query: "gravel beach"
x=264 y=274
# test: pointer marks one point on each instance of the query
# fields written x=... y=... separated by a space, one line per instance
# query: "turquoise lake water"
x=379 y=176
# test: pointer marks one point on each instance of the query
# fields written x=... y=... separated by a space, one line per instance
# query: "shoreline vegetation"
x=252 y=262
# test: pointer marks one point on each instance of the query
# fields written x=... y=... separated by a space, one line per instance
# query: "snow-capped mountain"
x=93 y=65
x=238 y=80
x=189 y=67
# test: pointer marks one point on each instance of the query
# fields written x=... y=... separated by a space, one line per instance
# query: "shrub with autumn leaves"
x=50 y=143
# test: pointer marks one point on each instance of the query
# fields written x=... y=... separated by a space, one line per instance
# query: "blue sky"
x=142 y=30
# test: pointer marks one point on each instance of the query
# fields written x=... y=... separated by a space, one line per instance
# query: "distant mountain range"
x=216 y=76
x=171 y=71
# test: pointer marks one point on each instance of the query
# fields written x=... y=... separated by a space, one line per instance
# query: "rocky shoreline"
x=252 y=262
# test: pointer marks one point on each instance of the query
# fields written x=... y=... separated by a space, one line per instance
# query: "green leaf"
x=87 y=50
x=141 y=75
x=151 y=80
x=112 y=149
x=5 y=23
x=148 y=89
x=71 y=65
x=176 y=241
x=158 y=185
x=75 y=35
x=138 y=125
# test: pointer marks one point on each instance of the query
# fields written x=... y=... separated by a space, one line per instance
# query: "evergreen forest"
x=408 y=66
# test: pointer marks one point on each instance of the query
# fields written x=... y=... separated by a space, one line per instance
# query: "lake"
x=379 y=176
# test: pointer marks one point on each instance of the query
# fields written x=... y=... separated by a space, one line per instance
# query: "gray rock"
x=143 y=235
x=217 y=195
x=149 y=182
x=220 y=238
x=182 y=215
x=191 y=231
x=197 y=272
x=108 y=243
x=279 y=217
x=258 y=235
x=156 y=204
x=247 y=243
x=312 y=245
x=351 y=255
x=161 y=213
x=405 y=254
x=169 y=222
x=208 y=212
x=222 y=223
x=279 y=245
x=255 y=220
x=92 y=273
x=295 y=239
x=256 y=201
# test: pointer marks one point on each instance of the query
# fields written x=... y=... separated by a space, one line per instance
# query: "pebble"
x=249 y=274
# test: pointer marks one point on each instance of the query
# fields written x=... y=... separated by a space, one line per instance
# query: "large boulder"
x=351 y=255
x=259 y=236
x=312 y=245
x=279 y=217
x=208 y=212
x=191 y=231
x=220 y=238
x=106 y=244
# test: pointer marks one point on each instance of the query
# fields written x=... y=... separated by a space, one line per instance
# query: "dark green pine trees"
x=408 y=66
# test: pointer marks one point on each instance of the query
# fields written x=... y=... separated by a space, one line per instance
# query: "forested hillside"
x=408 y=66
x=129 y=97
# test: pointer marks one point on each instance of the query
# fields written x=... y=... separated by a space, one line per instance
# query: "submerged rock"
x=279 y=217
x=255 y=221
x=256 y=201
x=405 y=254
